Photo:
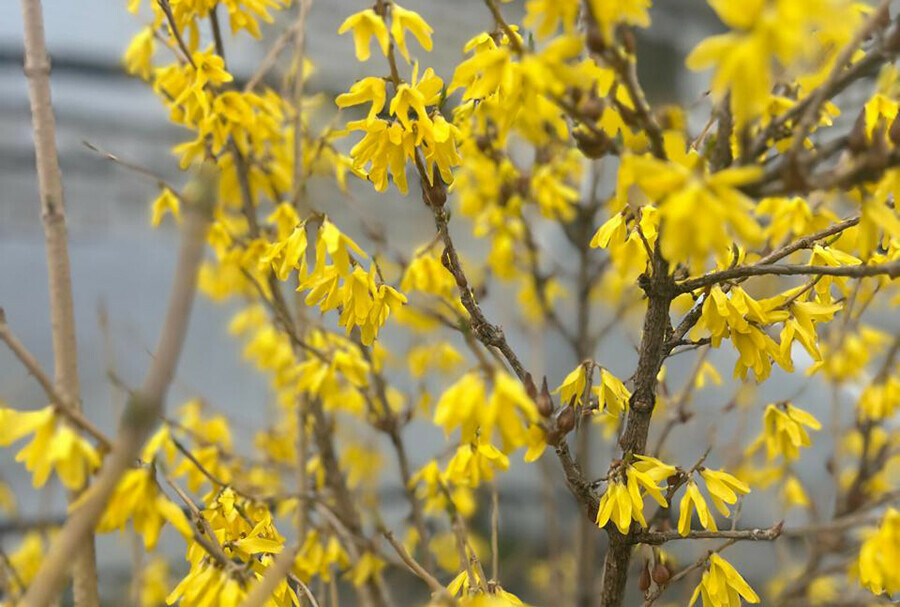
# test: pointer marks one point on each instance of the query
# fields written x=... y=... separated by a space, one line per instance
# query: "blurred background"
x=122 y=265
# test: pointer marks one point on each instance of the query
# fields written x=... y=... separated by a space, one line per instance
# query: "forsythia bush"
x=770 y=234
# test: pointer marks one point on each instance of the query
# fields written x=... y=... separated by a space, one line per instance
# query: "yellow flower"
x=25 y=562
x=546 y=15
x=166 y=202
x=338 y=246
x=707 y=370
x=609 y=13
x=879 y=555
x=403 y=20
x=624 y=500
x=285 y=255
x=793 y=492
x=155 y=582
x=385 y=147
x=686 y=194
x=483 y=73
x=612 y=394
x=474 y=462
x=509 y=411
x=693 y=499
x=613 y=231
x=460 y=406
x=55 y=446
x=723 y=488
x=139 y=54
x=138 y=498
x=367 y=566
x=206 y=584
x=441 y=356
x=370 y=89
x=784 y=430
x=426 y=273
x=722 y=586
x=573 y=386
x=366 y=24
x=880 y=400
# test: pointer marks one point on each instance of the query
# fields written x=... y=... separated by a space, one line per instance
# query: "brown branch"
x=69 y=409
x=53 y=216
x=657 y=538
x=438 y=592
x=866 y=66
x=145 y=407
x=811 y=113
x=274 y=575
x=269 y=60
x=159 y=179
x=691 y=318
x=167 y=9
x=651 y=598
x=891 y=269
x=299 y=55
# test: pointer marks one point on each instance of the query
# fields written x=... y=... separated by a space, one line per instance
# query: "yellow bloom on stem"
x=285 y=255
x=615 y=505
x=368 y=565
x=54 y=447
x=722 y=586
x=338 y=246
x=139 y=54
x=572 y=386
x=545 y=16
x=426 y=273
x=387 y=146
x=166 y=202
x=483 y=73
x=403 y=20
x=460 y=406
x=612 y=395
x=138 y=498
x=784 y=430
x=474 y=462
x=155 y=582
x=723 y=488
x=624 y=497
x=686 y=194
x=793 y=492
x=25 y=562
x=609 y=13
x=366 y=24
x=693 y=499
x=369 y=89
x=510 y=411
x=613 y=231
x=879 y=555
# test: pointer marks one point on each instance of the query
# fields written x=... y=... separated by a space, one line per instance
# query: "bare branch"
x=890 y=269
x=71 y=410
x=755 y=535
x=145 y=407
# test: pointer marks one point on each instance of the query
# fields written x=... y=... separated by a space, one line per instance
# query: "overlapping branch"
x=145 y=406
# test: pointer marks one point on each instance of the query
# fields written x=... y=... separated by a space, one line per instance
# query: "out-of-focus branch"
x=67 y=408
x=53 y=216
x=274 y=575
x=878 y=19
x=145 y=407
x=438 y=592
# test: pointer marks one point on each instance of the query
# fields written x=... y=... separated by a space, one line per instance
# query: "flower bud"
x=661 y=574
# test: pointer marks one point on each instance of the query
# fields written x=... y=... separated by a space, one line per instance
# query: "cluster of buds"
x=557 y=422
